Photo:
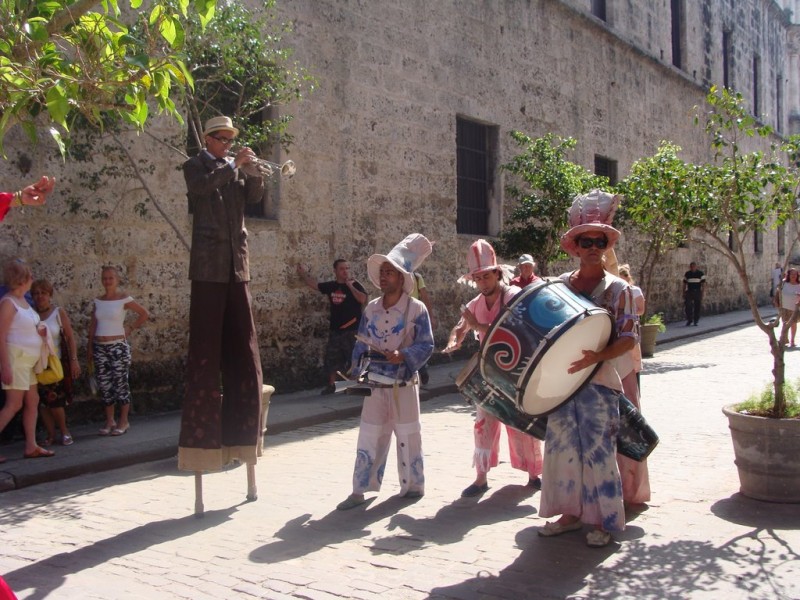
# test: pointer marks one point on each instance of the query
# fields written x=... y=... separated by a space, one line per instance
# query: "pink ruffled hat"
x=593 y=211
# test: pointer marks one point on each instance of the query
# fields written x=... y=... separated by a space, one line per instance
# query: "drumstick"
x=365 y=340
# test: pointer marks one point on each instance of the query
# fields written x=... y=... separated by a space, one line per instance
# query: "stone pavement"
x=156 y=437
x=129 y=533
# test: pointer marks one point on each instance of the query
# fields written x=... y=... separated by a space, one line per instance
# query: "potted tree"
x=654 y=182
x=650 y=329
x=738 y=195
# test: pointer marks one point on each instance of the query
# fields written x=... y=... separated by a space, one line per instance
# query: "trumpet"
x=259 y=167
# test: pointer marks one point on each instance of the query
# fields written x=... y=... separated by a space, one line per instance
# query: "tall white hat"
x=406 y=257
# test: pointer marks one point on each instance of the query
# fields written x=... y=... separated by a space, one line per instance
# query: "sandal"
x=555 y=528
x=120 y=431
x=597 y=538
x=39 y=453
x=107 y=429
x=67 y=440
x=47 y=442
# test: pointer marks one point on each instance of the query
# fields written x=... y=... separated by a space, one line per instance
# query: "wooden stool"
x=252 y=492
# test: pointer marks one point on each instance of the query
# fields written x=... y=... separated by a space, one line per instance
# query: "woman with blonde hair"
x=21 y=338
x=635 y=475
x=109 y=350
x=54 y=398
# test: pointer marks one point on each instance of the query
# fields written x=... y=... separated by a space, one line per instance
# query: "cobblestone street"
x=130 y=533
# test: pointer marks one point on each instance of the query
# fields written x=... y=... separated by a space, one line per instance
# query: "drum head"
x=550 y=385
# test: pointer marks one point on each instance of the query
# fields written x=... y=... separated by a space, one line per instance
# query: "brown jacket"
x=217 y=194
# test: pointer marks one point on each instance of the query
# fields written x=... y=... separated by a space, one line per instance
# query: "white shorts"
x=22 y=364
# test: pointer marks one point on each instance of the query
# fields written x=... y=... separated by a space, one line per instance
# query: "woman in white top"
x=20 y=349
x=790 y=297
x=54 y=398
x=635 y=475
x=109 y=351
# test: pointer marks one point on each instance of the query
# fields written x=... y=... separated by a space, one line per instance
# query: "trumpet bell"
x=258 y=167
x=288 y=169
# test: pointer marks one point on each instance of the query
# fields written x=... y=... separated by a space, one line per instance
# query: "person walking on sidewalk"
x=776 y=276
x=21 y=339
x=346 y=297
x=694 y=282
x=787 y=299
x=218 y=428
x=581 y=477
x=525 y=450
x=394 y=340
x=634 y=474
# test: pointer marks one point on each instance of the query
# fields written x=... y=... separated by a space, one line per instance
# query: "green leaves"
x=544 y=186
x=70 y=59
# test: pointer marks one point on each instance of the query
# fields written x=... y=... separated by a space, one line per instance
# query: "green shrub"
x=657 y=319
x=762 y=404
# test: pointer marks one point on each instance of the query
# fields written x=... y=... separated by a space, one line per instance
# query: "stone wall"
x=375 y=150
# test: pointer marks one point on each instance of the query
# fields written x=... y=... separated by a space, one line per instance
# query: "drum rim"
x=525 y=377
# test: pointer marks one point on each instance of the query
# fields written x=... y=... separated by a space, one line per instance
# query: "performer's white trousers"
x=389 y=410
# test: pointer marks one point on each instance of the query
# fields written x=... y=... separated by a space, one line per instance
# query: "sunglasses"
x=599 y=243
x=222 y=140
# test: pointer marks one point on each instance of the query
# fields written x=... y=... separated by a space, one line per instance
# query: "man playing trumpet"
x=222 y=333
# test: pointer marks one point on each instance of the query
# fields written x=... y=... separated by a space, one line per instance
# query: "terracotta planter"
x=647 y=339
x=766 y=452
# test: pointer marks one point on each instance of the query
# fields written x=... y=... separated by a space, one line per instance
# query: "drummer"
x=525 y=450
x=581 y=479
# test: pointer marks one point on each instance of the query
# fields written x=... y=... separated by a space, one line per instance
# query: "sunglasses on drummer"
x=600 y=243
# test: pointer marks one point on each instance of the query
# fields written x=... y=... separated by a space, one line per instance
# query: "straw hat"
x=406 y=257
x=591 y=212
x=219 y=124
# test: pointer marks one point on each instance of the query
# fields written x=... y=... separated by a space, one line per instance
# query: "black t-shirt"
x=345 y=309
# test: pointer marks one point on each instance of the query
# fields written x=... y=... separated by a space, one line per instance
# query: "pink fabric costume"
x=5 y=203
x=525 y=450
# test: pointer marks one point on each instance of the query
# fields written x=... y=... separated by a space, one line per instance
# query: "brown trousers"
x=218 y=426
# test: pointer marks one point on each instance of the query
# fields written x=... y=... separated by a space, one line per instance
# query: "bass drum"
x=480 y=392
x=532 y=342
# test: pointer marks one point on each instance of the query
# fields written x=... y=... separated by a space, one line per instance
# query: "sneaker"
x=474 y=490
x=328 y=390
x=535 y=483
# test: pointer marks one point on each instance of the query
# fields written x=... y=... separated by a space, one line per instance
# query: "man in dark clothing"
x=346 y=297
x=694 y=282
x=217 y=429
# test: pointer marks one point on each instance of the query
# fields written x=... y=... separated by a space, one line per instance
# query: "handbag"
x=52 y=373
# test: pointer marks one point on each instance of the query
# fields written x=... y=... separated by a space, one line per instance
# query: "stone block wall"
x=376 y=156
